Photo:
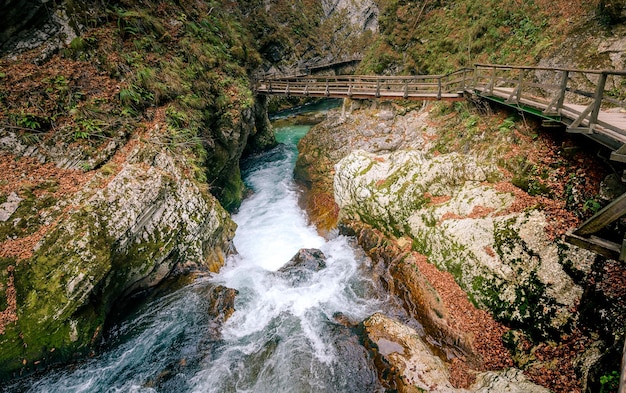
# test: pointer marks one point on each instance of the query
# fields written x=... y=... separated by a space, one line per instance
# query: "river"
x=284 y=335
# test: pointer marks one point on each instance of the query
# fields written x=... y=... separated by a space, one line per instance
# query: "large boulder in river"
x=302 y=266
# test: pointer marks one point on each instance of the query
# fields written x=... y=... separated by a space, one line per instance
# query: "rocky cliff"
x=121 y=130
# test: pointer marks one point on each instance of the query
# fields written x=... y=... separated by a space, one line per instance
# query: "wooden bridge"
x=588 y=102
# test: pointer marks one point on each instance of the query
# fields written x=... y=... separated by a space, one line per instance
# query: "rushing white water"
x=283 y=336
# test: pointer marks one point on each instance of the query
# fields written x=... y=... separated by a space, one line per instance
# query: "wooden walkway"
x=598 y=111
x=421 y=87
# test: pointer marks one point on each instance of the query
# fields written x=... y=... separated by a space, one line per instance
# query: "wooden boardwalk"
x=421 y=87
x=597 y=110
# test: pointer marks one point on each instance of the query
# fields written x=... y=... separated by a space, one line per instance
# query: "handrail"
x=585 y=120
x=540 y=68
x=554 y=97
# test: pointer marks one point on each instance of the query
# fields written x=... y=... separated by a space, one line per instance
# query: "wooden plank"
x=593 y=243
x=604 y=217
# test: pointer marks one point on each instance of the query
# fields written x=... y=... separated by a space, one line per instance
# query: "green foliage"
x=609 y=382
x=88 y=129
x=432 y=37
x=507 y=125
x=592 y=206
x=27 y=120
x=139 y=22
x=79 y=47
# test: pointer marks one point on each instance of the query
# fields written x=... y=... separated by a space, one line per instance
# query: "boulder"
x=407 y=364
x=302 y=266
x=503 y=259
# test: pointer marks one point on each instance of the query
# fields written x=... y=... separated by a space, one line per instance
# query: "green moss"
x=231 y=194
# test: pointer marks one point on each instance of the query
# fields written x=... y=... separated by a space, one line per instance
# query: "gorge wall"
x=121 y=130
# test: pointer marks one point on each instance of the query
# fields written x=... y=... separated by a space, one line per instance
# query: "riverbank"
x=475 y=203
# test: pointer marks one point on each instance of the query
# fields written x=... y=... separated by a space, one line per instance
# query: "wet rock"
x=407 y=364
x=261 y=136
x=302 y=266
x=222 y=302
x=404 y=361
x=221 y=306
x=353 y=357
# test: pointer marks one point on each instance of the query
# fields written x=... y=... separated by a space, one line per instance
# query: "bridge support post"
x=493 y=80
x=517 y=92
x=564 y=82
x=557 y=102
x=597 y=100
x=439 y=88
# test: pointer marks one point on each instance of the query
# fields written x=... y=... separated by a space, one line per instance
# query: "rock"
x=611 y=188
x=303 y=265
x=407 y=364
x=30 y=24
x=221 y=306
x=360 y=13
x=511 y=381
x=147 y=222
x=404 y=358
x=505 y=262
x=386 y=115
x=262 y=135
x=9 y=207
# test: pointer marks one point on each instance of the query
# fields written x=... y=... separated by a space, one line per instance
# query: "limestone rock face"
x=27 y=24
x=410 y=365
x=361 y=13
x=504 y=261
x=261 y=135
x=124 y=232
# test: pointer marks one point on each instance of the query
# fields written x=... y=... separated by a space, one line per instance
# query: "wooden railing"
x=587 y=101
x=423 y=87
